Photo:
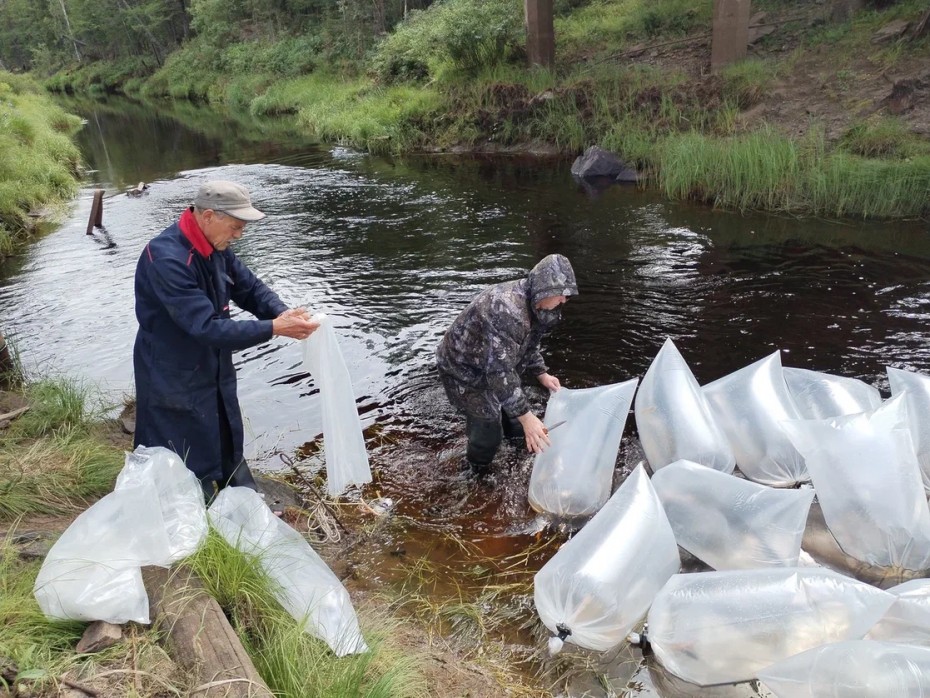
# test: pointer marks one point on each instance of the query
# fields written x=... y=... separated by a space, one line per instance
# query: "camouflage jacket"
x=497 y=337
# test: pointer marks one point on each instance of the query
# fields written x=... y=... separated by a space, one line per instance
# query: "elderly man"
x=185 y=379
x=494 y=340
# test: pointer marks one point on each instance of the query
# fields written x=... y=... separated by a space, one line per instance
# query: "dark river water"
x=394 y=249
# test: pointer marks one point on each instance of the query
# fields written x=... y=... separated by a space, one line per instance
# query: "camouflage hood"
x=552 y=276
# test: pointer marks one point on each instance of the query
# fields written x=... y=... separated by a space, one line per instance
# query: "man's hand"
x=293 y=323
x=537 y=438
x=296 y=312
x=549 y=382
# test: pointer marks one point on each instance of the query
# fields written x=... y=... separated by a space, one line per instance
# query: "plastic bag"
x=601 y=582
x=916 y=388
x=304 y=585
x=749 y=404
x=821 y=395
x=908 y=619
x=93 y=572
x=179 y=496
x=343 y=443
x=574 y=475
x=673 y=417
x=868 y=484
x=723 y=627
x=854 y=669
x=731 y=523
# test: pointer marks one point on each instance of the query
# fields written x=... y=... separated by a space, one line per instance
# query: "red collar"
x=191 y=230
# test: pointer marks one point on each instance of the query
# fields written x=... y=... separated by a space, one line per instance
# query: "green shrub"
x=463 y=36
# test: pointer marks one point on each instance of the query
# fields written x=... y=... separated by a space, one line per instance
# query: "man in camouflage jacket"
x=490 y=344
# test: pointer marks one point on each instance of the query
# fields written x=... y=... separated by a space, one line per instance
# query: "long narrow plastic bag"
x=908 y=619
x=304 y=585
x=731 y=523
x=854 y=669
x=593 y=590
x=750 y=404
x=574 y=475
x=916 y=388
x=868 y=483
x=822 y=395
x=674 y=419
x=343 y=443
x=180 y=497
x=723 y=627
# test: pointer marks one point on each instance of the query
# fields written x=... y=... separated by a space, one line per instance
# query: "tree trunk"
x=77 y=53
x=843 y=10
x=185 y=21
x=540 y=34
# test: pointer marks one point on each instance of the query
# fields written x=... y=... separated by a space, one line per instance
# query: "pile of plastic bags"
x=801 y=630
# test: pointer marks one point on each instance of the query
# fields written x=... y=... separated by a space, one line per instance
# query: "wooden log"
x=96 y=212
x=200 y=637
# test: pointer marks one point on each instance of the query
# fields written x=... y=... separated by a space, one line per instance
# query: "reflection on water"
x=394 y=249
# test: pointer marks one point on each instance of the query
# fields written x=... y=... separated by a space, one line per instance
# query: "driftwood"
x=200 y=637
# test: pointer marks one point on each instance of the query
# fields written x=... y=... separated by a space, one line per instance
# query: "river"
x=393 y=249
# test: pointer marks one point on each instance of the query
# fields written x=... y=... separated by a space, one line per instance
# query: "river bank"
x=823 y=119
x=40 y=161
x=59 y=457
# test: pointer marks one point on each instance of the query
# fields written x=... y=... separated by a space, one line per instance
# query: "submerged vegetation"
x=38 y=160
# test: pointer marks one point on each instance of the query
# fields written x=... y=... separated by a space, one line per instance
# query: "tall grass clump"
x=39 y=159
x=886 y=137
x=766 y=171
x=451 y=38
x=51 y=461
x=293 y=664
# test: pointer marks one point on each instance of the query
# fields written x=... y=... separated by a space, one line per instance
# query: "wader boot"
x=484 y=438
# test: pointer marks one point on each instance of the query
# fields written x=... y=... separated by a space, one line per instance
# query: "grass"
x=293 y=664
x=51 y=462
x=38 y=160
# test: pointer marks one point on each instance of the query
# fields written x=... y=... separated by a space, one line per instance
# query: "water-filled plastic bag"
x=916 y=388
x=303 y=583
x=822 y=395
x=731 y=523
x=723 y=627
x=868 y=484
x=154 y=516
x=179 y=495
x=854 y=669
x=673 y=417
x=343 y=443
x=908 y=619
x=595 y=588
x=750 y=404
x=573 y=476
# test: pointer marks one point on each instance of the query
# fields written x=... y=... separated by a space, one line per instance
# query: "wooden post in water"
x=730 y=36
x=96 y=212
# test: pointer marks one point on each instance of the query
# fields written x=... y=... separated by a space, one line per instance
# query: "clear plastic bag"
x=93 y=572
x=304 y=584
x=822 y=395
x=749 y=404
x=854 y=669
x=916 y=388
x=673 y=417
x=179 y=496
x=595 y=588
x=343 y=442
x=908 y=619
x=723 y=627
x=731 y=523
x=868 y=484
x=573 y=476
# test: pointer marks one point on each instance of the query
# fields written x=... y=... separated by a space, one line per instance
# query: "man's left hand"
x=549 y=382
